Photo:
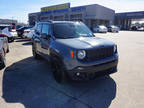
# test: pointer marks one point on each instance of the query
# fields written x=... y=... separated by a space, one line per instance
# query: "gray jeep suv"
x=73 y=51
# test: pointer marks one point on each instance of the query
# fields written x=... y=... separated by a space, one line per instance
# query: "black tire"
x=3 y=60
x=35 y=55
x=7 y=50
x=58 y=70
x=10 y=40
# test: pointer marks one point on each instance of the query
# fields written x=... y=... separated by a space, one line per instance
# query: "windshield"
x=113 y=26
x=28 y=27
x=101 y=26
x=71 y=30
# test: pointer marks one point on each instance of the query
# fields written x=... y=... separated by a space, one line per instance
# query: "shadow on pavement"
x=22 y=40
x=31 y=83
x=27 y=43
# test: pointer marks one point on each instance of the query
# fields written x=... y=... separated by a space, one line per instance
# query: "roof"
x=58 y=21
x=4 y=24
x=138 y=14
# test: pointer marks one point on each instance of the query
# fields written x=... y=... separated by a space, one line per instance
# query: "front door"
x=45 y=42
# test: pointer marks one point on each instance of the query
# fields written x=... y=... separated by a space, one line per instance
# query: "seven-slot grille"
x=100 y=53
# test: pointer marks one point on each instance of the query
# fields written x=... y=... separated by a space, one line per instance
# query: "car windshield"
x=113 y=26
x=28 y=27
x=71 y=30
x=101 y=26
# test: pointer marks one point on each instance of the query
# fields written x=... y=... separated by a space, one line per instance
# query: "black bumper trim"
x=92 y=71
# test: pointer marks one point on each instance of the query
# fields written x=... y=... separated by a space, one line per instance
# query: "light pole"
x=12 y=19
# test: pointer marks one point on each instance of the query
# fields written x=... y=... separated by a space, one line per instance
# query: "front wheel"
x=58 y=70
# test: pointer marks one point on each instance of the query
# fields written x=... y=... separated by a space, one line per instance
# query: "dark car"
x=18 y=26
x=4 y=48
x=73 y=50
x=20 y=31
x=135 y=28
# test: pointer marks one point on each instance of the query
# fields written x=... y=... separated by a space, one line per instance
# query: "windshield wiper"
x=87 y=36
x=65 y=37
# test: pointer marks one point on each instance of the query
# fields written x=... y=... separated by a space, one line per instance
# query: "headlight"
x=81 y=54
x=115 y=49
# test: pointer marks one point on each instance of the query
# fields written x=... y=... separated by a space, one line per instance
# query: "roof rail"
x=46 y=21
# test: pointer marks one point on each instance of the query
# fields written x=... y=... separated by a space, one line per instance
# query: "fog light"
x=78 y=74
x=80 y=68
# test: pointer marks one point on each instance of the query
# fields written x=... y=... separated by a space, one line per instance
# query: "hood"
x=85 y=42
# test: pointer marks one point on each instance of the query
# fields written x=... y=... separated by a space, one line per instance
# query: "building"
x=8 y=21
x=124 y=20
x=91 y=15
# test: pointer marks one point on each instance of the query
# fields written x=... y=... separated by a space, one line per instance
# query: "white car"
x=10 y=33
x=113 y=28
x=100 y=29
x=28 y=33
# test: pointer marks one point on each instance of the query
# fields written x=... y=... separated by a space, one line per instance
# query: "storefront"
x=124 y=20
x=91 y=15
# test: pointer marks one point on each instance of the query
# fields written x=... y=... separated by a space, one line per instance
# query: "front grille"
x=100 y=53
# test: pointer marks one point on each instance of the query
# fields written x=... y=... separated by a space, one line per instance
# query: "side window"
x=45 y=29
x=38 y=28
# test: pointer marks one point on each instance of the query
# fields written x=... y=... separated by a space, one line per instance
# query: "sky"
x=19 y=9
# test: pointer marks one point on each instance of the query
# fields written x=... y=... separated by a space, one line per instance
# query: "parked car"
x=73 y=50
x=113 y=28
x=28 y=33
x=31 y=33
x=4 y=48
x=7 y=30
x=134 y=28
x=20 y=31
x=18 y=26
x=100 y=29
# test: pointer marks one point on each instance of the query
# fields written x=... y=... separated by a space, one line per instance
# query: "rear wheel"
x=10 y=39
x=58 y=70
x=3 y=60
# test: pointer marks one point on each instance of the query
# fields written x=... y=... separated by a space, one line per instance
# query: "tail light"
x=9 y=28
x=3 y=35
x=27 y=31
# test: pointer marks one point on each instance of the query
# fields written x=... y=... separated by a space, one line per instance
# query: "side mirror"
x=37 y=32
x=45 y=36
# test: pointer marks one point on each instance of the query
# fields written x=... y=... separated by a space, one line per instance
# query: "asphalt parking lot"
x=28 y=83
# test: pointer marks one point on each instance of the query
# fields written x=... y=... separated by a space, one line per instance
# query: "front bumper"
x=113 y=30
x=102 y=30
x=90 y=72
